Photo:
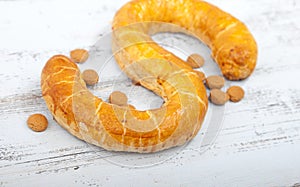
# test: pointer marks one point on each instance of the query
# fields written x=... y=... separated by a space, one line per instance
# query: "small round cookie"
x=90 y=77
x=195 y=60
x=235 y=93
x=215 y=82
x=37 y=122
x=118 y=98
x=218 y=97
x=79 y=55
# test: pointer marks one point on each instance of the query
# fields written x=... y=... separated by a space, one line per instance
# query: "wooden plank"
x=258 y=144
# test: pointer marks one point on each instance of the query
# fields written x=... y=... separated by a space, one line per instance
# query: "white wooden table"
x=259 y=140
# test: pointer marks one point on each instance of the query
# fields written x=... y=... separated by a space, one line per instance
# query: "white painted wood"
x=258 y=144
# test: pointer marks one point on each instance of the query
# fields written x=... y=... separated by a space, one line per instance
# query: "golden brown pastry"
x=123 y=128
x=232 y=45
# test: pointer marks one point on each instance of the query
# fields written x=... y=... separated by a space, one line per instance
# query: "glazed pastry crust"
x=232 y=45
x=123 y=128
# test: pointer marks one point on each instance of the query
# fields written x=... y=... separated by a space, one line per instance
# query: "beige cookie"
x=218 y=97
x=195 y=61
x=90 y=77
x=118 y=98
x=79 y=55
x=235 y=93
x=215 y=82
x=37 y=122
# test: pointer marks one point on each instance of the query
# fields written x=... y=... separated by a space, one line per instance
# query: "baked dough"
x=123 y=128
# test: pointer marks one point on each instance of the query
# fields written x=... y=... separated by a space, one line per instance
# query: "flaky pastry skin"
x=123 y=128
x=232 y=45
x=118 y=128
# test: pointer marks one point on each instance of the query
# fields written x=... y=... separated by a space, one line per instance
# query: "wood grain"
x=258 y=144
